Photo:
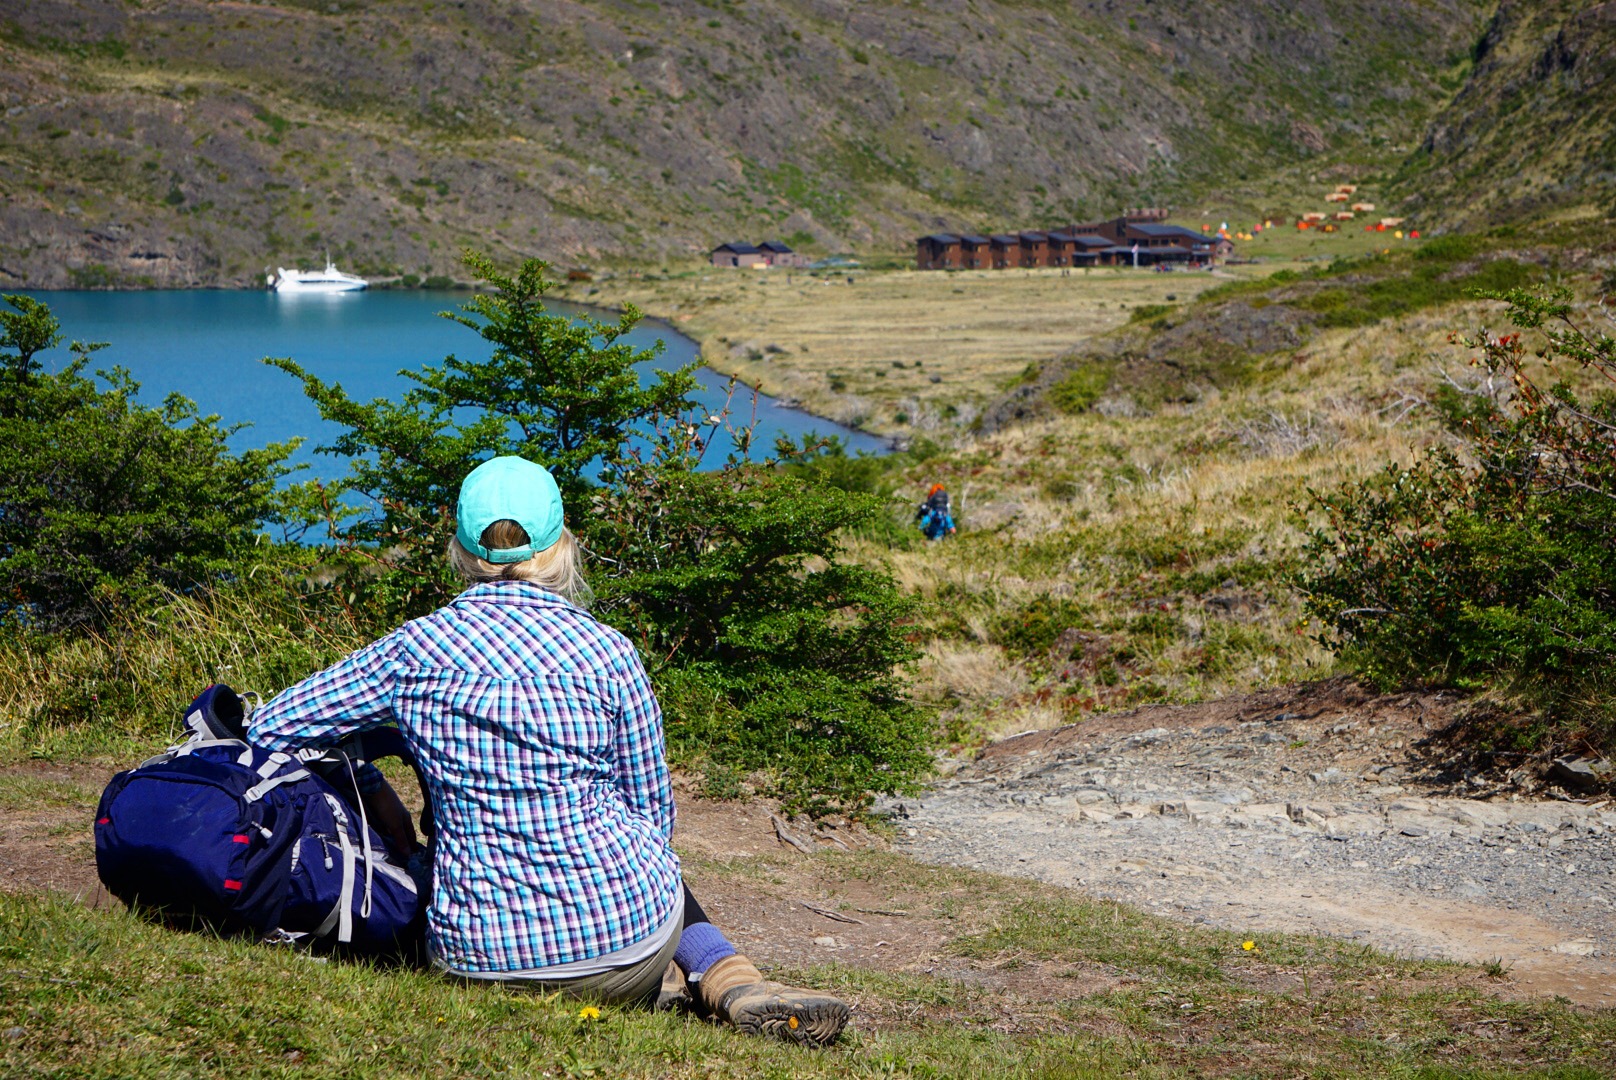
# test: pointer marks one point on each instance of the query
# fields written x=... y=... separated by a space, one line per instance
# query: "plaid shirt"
x=541 y=743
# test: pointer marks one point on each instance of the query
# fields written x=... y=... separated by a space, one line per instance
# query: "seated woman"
x=541 y=743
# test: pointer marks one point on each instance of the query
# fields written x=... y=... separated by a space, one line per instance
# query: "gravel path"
x=1310 y=810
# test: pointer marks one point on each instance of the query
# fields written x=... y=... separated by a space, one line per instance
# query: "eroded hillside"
x=1533 y=130
x=191 y=143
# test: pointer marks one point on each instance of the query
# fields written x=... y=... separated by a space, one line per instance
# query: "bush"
x=1497 y=574
x=772 y=657
x=1147 y=312
x=106 y=504
x=1081 y=388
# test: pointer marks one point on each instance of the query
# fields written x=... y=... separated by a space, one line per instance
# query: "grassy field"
x=894 y=351
x=905 y=352
x=1159 y=545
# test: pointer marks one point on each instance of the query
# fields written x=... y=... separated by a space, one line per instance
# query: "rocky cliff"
x=1532 y=132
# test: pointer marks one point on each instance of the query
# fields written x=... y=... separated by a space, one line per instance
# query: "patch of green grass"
x=1078 y=390
x=105 y=993
x=1150 y=312
x=23 y=791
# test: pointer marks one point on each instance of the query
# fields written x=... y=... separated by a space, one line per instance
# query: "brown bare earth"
x=785 y=909
x=1317 y=809
x=1402 y=862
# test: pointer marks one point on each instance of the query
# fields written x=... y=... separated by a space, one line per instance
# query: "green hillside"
x=1533 y=131
x=194 y=143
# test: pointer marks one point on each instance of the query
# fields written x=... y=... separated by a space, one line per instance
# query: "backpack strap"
x=264 y=787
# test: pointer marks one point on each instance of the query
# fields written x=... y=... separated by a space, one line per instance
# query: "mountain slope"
x=182 y=142
x=1533 y=130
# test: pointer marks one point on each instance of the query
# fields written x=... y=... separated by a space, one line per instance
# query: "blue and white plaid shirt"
x=541 y=742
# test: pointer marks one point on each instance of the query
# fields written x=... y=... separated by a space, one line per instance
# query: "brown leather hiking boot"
x=734 y=990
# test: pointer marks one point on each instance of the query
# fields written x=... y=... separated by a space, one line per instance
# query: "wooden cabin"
x=976 y=252
x=939 y=251
x=777 y=254
x=1004 y=251
x=732 y=255
x=1034 y=249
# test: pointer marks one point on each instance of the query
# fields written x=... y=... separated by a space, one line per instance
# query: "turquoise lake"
x=208 y=345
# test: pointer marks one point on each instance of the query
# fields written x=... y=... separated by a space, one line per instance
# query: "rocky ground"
x=1323 y=809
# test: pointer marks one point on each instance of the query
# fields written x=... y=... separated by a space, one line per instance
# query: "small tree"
x=772 y=657
x=104 y=502
x=559 y=391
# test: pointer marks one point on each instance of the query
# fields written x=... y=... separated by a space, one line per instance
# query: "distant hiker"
x=541 y=743
x=933 y=514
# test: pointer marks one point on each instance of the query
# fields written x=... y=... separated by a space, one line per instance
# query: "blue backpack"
x=247 y=841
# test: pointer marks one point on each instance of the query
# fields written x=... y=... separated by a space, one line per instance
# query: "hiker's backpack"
x=245 y=840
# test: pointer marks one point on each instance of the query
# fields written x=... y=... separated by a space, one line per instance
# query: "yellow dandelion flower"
x=1249 y=946
x=589 y=1012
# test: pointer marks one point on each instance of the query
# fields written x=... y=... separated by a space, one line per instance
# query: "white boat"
x=329 y=280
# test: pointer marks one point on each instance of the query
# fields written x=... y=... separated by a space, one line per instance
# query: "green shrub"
x=106 y=504
x=1033 y=628
x=770 y=665
x=1147 y=312
x=1078 y=390
x=1497 y=574
x=1450 y=248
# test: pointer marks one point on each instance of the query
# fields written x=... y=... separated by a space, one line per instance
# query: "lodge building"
x=1137 y=238
x=769 y=253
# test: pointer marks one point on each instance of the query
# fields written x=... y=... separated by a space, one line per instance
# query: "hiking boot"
x=734 y=990
x=673 y=995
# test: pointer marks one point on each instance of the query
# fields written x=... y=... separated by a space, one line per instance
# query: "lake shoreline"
x=206 y=344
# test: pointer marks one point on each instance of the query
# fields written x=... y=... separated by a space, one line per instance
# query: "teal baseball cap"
x=508 y=488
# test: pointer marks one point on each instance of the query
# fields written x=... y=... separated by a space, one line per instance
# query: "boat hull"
x=284 y=286
x=329 y=280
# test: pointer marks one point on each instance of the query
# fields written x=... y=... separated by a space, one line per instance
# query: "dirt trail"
x=1306 y=810
x=780 y=906
x=1309 y=809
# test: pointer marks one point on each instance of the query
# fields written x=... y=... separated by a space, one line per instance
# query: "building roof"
x=775 y=246
x=1166 y=230
x=1033 y=236
x=736 y=249
x=973 y=239
x=1003 y=238
x=1089 y=241
x=939 y=238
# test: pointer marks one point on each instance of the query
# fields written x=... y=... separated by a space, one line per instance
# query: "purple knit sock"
x=700 y=947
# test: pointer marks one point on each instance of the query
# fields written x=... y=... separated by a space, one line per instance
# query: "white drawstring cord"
x=364 y=831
